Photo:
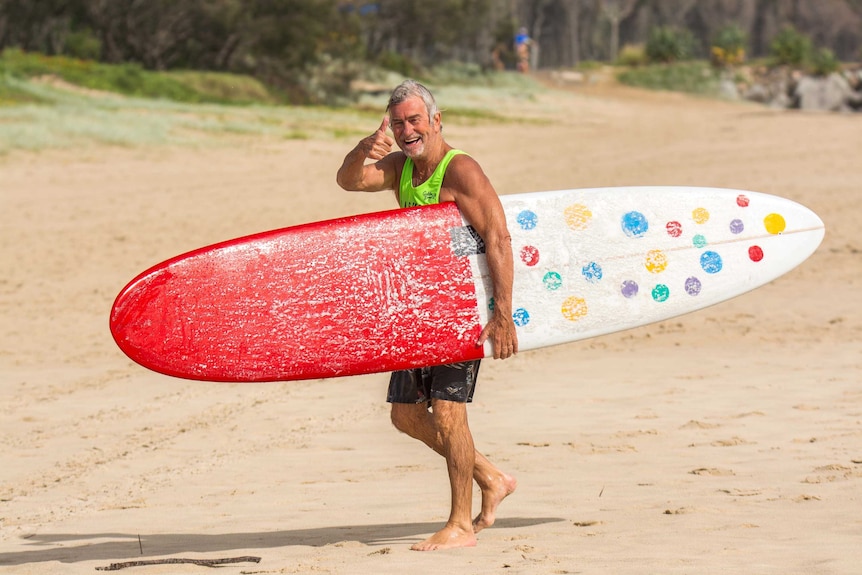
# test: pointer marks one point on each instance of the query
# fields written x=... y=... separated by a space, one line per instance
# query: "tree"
x=616 y=11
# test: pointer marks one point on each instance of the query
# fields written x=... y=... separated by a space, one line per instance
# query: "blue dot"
x=711 y=262
x=635 y=224
x=521 y=317
x=553 y=281
x=592 y=272
x=736 y=227
x=629 y=288
x=660 y=293
x=527 y=220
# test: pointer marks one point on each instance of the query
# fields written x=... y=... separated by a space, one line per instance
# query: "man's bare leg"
x=495 y=486
x=417 y=422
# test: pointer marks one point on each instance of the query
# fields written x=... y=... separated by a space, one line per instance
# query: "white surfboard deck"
x=590 y=262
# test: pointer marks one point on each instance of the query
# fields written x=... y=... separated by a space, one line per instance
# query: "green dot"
x=660 y=293
x=552 y=281
x=699 y=241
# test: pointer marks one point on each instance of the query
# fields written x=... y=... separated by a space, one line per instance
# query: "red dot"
x=755 y=253
x=674 y=229
x=529 y=255
x=742 y=201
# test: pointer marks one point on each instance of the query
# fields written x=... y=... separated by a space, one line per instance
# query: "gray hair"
x=413 y=89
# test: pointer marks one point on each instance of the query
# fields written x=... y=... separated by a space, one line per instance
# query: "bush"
x=398 y=63
x=632 y=55
x=790 y=48
x=667 y=44
x=823 y=62
x=691 y=77
x=83 y=44
x=728 y=46
x=132 y=80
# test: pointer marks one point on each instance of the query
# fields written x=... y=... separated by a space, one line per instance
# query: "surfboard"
x=410 y=287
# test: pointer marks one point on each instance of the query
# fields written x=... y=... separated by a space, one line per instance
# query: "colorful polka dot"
x=592 y=272
x=521 y=317
x=737 y=227
x=711 y=262
x=755 y=253
x=693 y=286
x=656 y=261
x=527 y=219
x=660 y=293
x=700 y=215
x=530 y=255
x=635 y=224
x=629 y=288
x=774 y=223
x=742 y=201
x=574 y=308
x=578 y=217
x=674 y=229
x=699 y=241
x=553 y=281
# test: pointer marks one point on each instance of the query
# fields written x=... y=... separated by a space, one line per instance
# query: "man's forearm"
x=350 y=173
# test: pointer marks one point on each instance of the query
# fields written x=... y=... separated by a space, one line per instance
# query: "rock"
x=830 y=94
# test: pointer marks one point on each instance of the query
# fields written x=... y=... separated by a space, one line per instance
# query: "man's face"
x=412 y=127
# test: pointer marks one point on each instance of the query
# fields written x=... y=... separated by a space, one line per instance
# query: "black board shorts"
x=452 y=382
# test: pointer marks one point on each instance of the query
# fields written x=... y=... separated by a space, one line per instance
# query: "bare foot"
x=447 y=538
x=492 y=495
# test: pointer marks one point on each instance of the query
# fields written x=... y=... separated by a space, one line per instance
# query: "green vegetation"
x=792 y=48
x=729 y=46
x=667 y=44
x=632 y=55
x=61 y=102
x=695 y=77
x=132 y=80
x=822 y=62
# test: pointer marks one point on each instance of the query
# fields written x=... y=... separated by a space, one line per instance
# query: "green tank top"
x=428 y=192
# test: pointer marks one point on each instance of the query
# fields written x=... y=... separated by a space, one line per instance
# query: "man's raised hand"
x=378 y=145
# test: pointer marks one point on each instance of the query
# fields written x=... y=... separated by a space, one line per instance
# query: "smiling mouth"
x=412 y=141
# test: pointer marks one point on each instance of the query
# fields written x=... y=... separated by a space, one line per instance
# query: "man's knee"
x=449 y=415
x=404 y=416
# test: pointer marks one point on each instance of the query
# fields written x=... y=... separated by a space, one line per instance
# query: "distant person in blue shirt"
x=523 y=43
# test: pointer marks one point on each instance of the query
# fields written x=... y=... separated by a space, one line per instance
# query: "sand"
x=724 y=441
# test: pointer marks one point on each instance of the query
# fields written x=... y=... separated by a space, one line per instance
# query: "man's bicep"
x=480 y=205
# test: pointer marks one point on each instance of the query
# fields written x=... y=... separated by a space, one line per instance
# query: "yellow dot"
x=574 y=308
x=578 y=216
x=700 y=215
x=656 y=261
x=774 y=223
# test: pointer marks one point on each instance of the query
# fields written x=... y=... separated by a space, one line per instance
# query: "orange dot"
x=774 y=223
x=578 y=216
x=574 y=308
x=656 y=261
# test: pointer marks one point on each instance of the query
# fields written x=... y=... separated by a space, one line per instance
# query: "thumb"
x=384 y=124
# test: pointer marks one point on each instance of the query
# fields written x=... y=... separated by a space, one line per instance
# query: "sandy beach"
x=724 y=441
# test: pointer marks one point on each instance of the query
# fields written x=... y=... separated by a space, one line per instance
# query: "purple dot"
x=629 y=288
x=692 y=286
x=736 y=227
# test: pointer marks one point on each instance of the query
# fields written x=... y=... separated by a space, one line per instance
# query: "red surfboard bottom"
x=364 y=294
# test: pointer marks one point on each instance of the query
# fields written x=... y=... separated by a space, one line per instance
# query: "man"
x=428 y=170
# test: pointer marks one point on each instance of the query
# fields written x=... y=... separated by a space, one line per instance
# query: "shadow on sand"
x=72 y=548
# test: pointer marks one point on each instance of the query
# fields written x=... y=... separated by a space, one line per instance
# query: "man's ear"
x=438 y=121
